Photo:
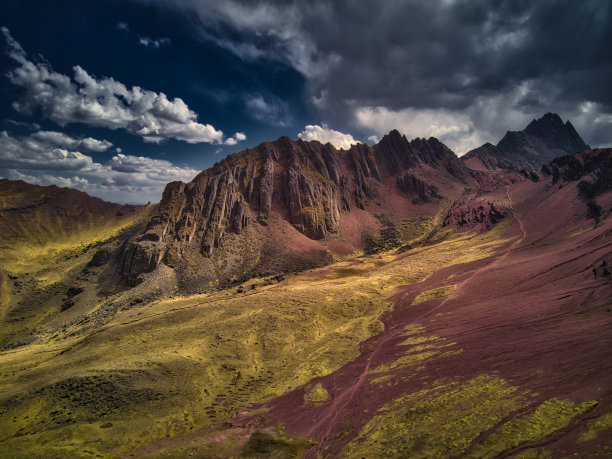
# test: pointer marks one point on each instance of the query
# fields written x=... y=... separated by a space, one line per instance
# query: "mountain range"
x=540 y=142
x=298 y=300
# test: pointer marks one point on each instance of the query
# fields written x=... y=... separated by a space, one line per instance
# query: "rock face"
x=307 y=184
x=473 y=214
x=539 y=143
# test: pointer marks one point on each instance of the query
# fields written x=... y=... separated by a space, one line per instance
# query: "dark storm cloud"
x=467 y=69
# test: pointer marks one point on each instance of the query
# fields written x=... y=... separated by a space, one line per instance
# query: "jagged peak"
x=549 y=119
x=393 y=135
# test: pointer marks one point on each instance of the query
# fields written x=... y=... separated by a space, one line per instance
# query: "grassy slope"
x=182 y=364
x=49 y=235
x=42 y=227
x=163 y=376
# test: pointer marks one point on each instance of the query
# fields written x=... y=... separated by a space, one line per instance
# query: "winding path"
x=325 y=426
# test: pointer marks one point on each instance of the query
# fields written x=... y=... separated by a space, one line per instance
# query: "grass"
x=596 y=426
x=166 y=370
x=315 y=394
x=440 y=421
x=549 y=417
x=200 y=359
x=439 y=292
x=444 y=420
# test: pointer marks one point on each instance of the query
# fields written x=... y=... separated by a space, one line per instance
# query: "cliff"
x=307 y=185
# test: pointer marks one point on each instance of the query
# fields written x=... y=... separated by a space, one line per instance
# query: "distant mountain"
x=41 y=220
x=539 y=143
x=288 y=205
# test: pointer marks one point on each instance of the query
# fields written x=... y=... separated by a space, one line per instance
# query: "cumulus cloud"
x=59 y=139
x=46 y=179
x=124 y=178
x=453 y=128
x=238 y=137
x=154 y=43
x=123 y=26
x=48 y=150
x=324 y=135
x=103 y=102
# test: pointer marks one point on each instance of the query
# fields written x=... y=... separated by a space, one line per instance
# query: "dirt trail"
x=494 y=264
x=326 y=425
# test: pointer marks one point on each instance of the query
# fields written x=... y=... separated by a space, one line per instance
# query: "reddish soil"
x=535 y=315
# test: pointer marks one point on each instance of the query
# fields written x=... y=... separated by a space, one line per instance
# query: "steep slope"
x=37 y=221
x=539 y=143
x=286 y=205
x=49 y=234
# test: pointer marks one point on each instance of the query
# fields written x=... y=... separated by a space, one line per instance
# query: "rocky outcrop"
x=306 y=183
x=425 y=192
x=473 y=214
x=399 y=154
x=539 y=143
x=593 y=168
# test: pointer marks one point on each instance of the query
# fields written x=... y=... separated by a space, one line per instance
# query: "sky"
x=117 y=98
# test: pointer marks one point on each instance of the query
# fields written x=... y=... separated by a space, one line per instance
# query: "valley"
x=301 y=301
x=350 y=359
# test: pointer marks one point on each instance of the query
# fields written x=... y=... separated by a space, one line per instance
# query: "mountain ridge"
x=543 y=140
x=309 y=185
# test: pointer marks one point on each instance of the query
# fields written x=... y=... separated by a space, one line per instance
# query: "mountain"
x=539 y=143
x=48 y=234
x=296 y=300
x=285 y=206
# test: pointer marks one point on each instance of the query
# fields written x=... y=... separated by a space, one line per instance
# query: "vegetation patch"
x=596 y=426
x=548 y=418
x=440 y=421
x=264 y=445
x=440 y=292
x=315 y=395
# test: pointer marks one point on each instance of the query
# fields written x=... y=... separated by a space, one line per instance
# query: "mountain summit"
x=539 y=143
x=288 y=205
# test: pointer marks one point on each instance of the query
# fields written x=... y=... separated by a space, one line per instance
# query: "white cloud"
x=103 y=102
x=49 y=150
x=46 y=179
x=453 y=128
x=373 y=139
x=123 y=26
x=152 y=42
x=124 y=178
x=238 y=137
x=59 y=139
x=323 y=134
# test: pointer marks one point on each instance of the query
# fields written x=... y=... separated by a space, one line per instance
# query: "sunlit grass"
x=202 y=359
x=183 y=364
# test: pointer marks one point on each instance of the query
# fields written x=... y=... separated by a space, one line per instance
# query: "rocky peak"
x=307 y=184
x=540 y=142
